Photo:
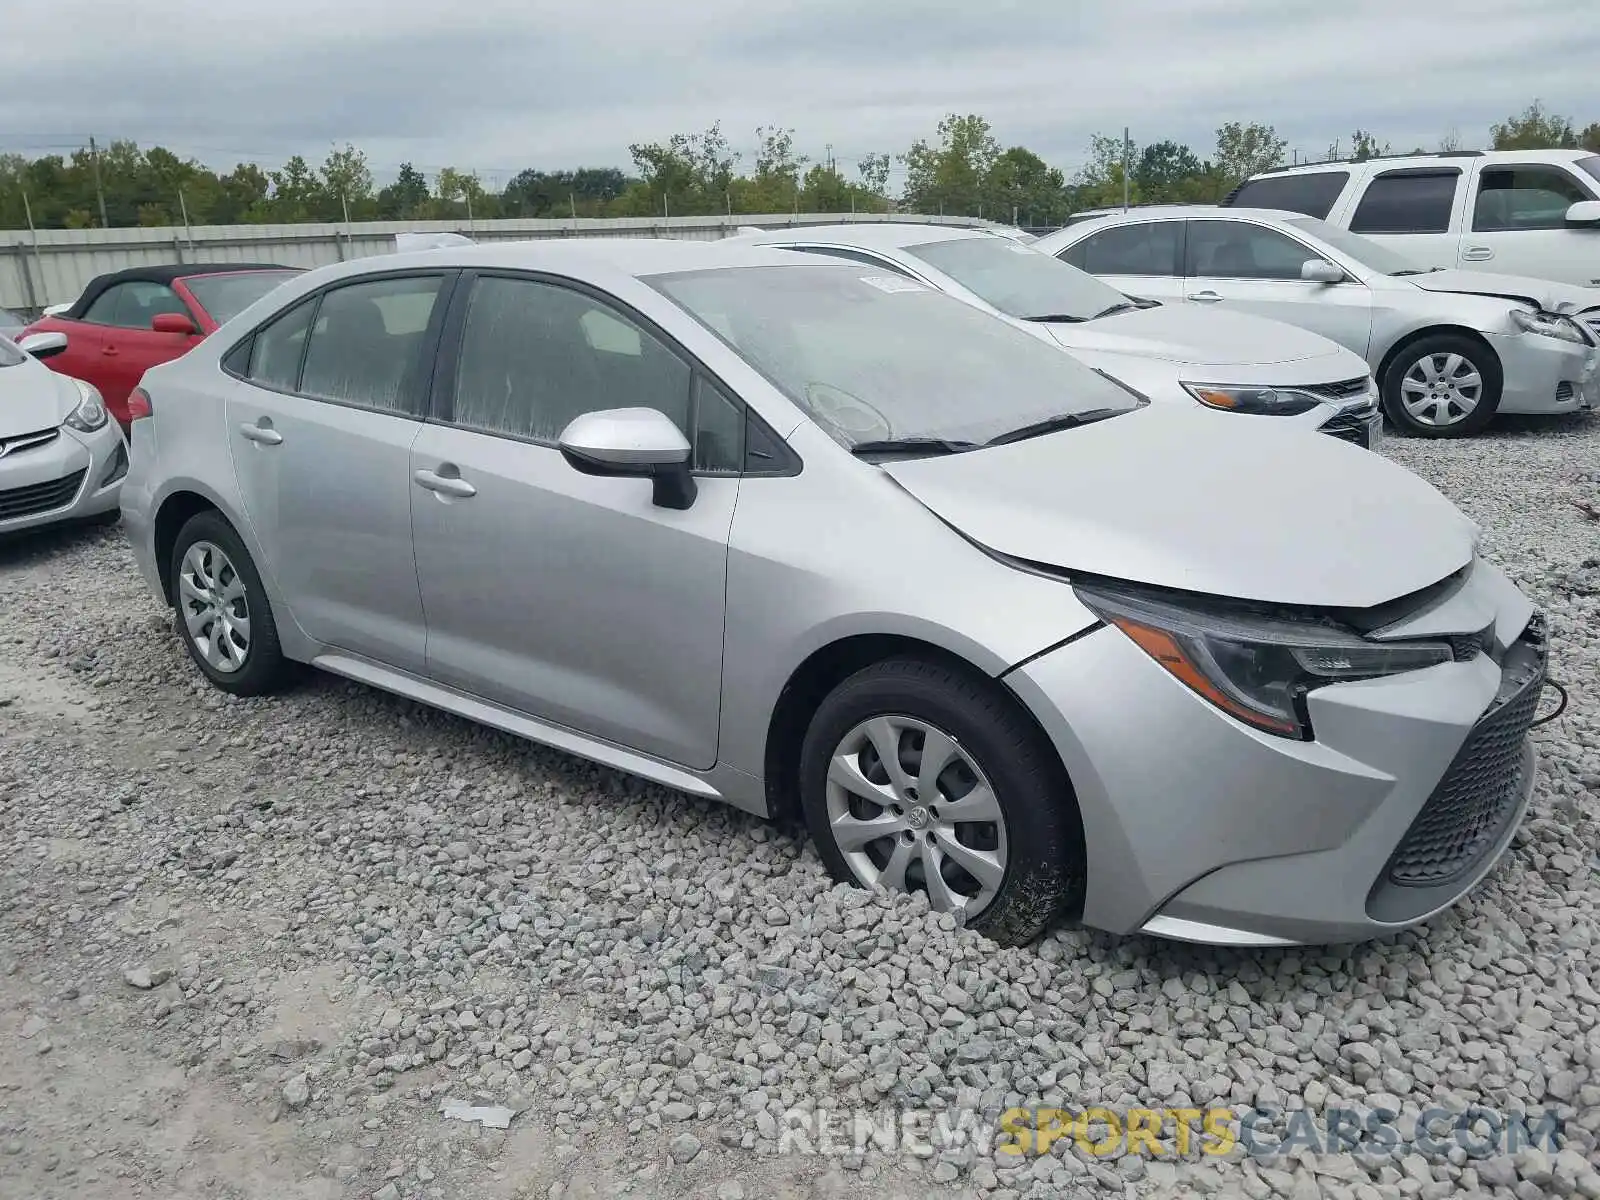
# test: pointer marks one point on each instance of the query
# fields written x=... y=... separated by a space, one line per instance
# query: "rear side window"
x=276 y=351
x=367 y=345
x=1312 y=193
x=1405 y=203
x=1149 y=248
x=1531 y=197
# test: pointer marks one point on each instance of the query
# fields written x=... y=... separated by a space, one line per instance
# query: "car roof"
x=1171 y=212
x=629 y=255
x=166 y=273
x=1440 y=158
x=870 y=235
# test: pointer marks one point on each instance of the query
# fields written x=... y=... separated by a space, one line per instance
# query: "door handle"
x=266 y=435
x=1207 y=297
x=1477 y=253
x=108 y=350
x=447 y=485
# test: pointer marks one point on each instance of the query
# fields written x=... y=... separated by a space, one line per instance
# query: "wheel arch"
x=1410 y=339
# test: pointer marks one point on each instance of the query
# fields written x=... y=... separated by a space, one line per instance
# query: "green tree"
x=1170 y=173
x=347 y=181
x=1534 y=128
x=1589 y=139
x=297 y=193
x=873 y=171
x=949 y=177
x=1021 y=186
x=1245 y=150
x=1098 y=184
x=1364 y=146
x=407 y=197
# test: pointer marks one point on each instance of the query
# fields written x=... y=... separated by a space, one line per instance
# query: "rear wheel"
x=223 y=615
x=1443 y=385
x=920 y=777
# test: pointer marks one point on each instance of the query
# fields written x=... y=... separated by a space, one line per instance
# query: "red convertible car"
x=129 y=321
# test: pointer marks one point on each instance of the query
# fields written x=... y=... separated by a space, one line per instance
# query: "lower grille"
x=1352 y=425
x=1563 y=392
x=1468 y=811
x=39 y=497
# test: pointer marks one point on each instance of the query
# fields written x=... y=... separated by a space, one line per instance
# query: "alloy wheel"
x=1441 y=389
x=910 y=809
x=215 y=607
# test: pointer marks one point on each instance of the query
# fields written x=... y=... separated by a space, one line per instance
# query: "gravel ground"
x=247 y=948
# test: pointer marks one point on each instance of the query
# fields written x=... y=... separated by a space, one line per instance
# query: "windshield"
x=226 y=296
x=1020 y=281
x=1365 y=251
x=877 y=357
x=10 y=354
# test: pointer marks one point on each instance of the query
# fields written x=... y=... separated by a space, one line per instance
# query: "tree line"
x=962 y=171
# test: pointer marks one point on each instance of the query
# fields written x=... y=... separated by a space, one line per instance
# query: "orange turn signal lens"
x=1169 y=652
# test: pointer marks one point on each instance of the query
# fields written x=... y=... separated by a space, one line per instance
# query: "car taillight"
x=139 y=404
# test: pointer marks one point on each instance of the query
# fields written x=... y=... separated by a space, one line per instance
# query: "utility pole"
x=1127 y=154
x=572 y=204
x=99 y=192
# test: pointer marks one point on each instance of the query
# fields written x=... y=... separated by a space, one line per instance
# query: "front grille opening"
x=39 y=498
x=1564 y=391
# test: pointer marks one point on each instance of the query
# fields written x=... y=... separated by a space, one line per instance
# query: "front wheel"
x=920 y=777
x=1440 y=386
x=224 y=618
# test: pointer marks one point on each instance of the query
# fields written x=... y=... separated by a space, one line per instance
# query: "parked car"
x=1449 y=348
x=126 y=322
x=794 y=533
x=62 y=458
x=1260 y=370
x=1514 y=212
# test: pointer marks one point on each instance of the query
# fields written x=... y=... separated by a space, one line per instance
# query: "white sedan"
x=1259 y=370
x=1449 y=348
x=62 y=458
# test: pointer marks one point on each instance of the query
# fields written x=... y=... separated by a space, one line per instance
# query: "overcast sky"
x=497 y=85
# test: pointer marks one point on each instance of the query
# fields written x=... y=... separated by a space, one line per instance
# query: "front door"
x=571 y=598
x=321 y=437
x=1519 y=224
x=1239 y=266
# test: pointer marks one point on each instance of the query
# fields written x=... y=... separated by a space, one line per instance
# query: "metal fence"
x=52 y=266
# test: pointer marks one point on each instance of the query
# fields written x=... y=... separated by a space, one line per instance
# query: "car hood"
x=1194 y=500
x=33 y=397
x=1548 y=295
x=1201 y=338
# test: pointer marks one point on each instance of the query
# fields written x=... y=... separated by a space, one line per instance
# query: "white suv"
x=1513 y=212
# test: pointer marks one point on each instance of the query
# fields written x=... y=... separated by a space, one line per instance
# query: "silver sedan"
x=799 y=534
x=1449 y=349
x=61 y=456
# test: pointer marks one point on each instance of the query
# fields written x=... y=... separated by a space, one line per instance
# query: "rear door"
x=1241 y=266
x=320 y=430
x=1418 y=212
x=1518 y=223
x=1138 y=258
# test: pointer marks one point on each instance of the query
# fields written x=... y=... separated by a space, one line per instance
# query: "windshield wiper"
x=1114 y=309
x=1413 y=271
x=1054 y=424
x=1063 y=318
x=913 y=445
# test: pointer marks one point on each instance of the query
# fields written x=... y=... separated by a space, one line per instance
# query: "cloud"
x=500 y=85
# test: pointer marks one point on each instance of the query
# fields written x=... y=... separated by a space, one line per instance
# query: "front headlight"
x=1255 y=668
x=90 y=415
x=1549 y=325
x=1256 y=401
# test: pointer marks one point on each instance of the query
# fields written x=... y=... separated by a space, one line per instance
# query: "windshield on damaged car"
x=883 y=362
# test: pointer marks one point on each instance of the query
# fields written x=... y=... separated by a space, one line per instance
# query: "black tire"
x=263 y=667
x=1044 y=870
x=1483 y=361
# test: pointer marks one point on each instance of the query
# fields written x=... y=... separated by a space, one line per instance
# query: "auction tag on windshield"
x=892 y=283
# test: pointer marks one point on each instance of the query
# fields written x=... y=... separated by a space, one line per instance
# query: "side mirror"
x=1320 y=270
x=1585 y=212
x=169 y=322
x=42 y=345
x=633 y=443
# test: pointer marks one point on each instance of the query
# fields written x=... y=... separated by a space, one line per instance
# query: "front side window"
x=1406 y=203
x=1147 y=248
x=535 y=356
x=367 y=345
x=225 y=296
x=1531 y=197
x=1236 y=250
x=1019 y=281
x=1312 y=192
x=1363 y=250
x=871 y=356
x=134 y=305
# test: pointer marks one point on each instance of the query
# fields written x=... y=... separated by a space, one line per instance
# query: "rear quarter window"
x=1313 y=193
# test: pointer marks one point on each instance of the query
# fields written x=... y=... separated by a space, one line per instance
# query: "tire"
x=1456 y=357
x=1038 y=841
x=247 y=666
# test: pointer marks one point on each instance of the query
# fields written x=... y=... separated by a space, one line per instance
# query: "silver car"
x=1449 y=348
x=802 y=535
x=61 y=456
x=1243 y=366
